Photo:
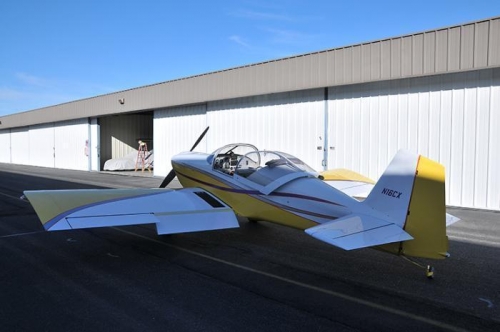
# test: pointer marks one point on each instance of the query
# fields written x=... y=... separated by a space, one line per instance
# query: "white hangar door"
x=175 y=130
x=41 y=145
x=452 y=119
x=361 y=135
x=20 y=146
x=291 y=122
x=5 y=146
x=70 y=139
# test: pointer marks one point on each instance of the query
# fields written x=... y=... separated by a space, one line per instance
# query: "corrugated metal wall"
x=459 y=48
x=5 y=146
x=292 y=122
x=176 y=130
x=451 y=118
x=41 y=151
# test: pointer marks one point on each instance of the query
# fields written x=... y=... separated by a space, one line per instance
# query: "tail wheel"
x=429 y=272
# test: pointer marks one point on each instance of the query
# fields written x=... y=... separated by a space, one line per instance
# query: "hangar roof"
x=465 y=47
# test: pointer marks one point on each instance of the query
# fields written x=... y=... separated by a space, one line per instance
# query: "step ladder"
x=142 y=157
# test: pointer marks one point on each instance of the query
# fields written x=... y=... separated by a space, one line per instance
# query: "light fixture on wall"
x=121 y=101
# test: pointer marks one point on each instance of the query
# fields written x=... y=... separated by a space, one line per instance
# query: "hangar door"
x=291 y=122
x=175 y=130
x=19 y=146
x=5 y=146
x=41 y=145
x=449 y=118
x=70 y=139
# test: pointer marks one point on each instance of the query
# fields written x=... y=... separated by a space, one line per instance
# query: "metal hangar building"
x=436 y=93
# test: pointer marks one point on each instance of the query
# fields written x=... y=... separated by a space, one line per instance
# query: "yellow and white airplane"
x=404 y=214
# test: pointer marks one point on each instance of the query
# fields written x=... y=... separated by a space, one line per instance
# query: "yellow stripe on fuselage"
x=243 y=204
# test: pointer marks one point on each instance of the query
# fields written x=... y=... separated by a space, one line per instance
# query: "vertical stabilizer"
x=412 y=193
x=392 y=192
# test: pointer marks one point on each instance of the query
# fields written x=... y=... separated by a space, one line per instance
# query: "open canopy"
x=262 y=168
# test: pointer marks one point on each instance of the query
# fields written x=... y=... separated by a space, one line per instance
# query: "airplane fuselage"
x=299 y=200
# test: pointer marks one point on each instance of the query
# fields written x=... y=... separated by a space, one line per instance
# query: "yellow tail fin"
x=412 y=192
x=426 y=220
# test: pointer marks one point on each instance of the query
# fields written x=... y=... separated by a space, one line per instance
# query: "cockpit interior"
x=261 y=167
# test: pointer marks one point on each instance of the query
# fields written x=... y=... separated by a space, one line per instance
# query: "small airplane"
x=404 y=213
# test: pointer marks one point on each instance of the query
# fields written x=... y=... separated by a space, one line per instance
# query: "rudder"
x=426 y=220
x=412 y=192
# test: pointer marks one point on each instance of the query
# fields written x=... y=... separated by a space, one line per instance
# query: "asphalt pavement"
x=259 y=277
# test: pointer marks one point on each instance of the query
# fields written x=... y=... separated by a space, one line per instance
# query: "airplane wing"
x=173 y=211
x=356 y=231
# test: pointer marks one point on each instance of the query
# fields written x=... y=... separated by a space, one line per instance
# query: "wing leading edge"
x=173 y=211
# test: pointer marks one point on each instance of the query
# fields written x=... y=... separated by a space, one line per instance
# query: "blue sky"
x=55 y=51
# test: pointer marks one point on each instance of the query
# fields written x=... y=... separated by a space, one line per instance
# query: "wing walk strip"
x=370 y=304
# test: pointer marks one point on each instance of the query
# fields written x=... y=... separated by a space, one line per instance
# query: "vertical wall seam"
x=474 y=41
x=463 y=140
x=205 y=106
x=325 y=129
x=10 y=145
x=54 y=144
x=424 y=36
x=89 y=145
x=451 y=171
x=490 y=97
x=460 y=48
x=488 y=44
x=476 y=113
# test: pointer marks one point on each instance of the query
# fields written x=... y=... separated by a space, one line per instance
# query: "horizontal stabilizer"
x=356 y=231
x=349 y=182
x=356 y=189
x=173 y=211
x=451 y=219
